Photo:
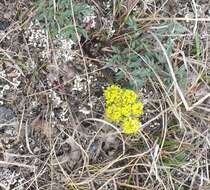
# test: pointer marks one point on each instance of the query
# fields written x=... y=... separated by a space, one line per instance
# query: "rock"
x=4 y=24
x=6 y=114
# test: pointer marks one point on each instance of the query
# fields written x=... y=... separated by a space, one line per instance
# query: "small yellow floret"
x=113 y=113
x=112 y=94
x=137 y=109
x=129 y=97
x=126 y=110
x=131 y=125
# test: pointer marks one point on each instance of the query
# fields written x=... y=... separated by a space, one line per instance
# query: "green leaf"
x=131 y=22
x=179 y=28
x=120 y=75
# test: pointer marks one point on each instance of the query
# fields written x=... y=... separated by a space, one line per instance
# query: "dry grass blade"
x=5 y=163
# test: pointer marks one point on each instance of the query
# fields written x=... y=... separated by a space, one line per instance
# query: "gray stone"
x=6 y=114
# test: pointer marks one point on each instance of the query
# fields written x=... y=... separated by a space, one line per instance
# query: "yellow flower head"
x=123 y=107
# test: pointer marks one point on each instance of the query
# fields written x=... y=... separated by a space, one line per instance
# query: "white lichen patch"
x=64 y=114
x=60 y=49
x=84 y=110
x=7 y=177
x=9 y=81
x=79 y=84
x=108 y=26
x=56 y=99
x=37 y=37
x=64 y=50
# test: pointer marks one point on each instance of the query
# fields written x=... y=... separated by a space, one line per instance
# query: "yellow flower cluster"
x=123 y=107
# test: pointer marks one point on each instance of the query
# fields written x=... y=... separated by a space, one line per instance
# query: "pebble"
x=6 y=114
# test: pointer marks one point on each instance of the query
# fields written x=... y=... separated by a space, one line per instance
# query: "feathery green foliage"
x=57 y=17
x=131 y=57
